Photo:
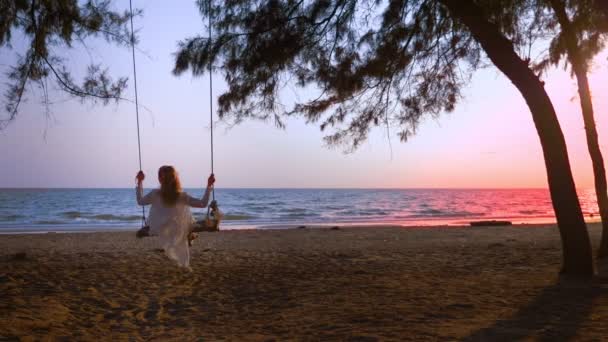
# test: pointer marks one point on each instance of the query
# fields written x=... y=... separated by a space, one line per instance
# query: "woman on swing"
x=170 y=217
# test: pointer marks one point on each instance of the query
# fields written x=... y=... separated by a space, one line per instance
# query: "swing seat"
x=211 y=222
x=143 y=232
x=206 y=225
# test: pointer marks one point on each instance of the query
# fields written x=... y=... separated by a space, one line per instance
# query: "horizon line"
x=294 y=188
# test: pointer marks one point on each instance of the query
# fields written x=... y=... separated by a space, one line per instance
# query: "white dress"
x=172 y=224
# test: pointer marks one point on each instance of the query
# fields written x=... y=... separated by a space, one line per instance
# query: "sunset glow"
x=488 y=142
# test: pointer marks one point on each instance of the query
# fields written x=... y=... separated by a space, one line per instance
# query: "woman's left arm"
x=203 y=202
x=199 y=203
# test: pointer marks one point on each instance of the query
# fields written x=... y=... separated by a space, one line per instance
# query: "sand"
x=352 y=284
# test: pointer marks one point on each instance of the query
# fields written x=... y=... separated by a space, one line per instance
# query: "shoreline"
x=409 y=224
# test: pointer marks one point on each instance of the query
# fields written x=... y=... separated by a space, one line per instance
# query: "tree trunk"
x=579 y=66
x=577 y=256
x=599 y=171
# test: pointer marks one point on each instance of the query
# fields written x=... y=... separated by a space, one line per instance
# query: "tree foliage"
x=50 y=26
x=602 y=6
x=373 y=63
x=587 y=24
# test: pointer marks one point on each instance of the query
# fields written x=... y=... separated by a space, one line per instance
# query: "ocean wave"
x=439 y=213
x=256 y=207
x=238 y=217
x=10 y=218
x=295 y=210
x=50 y=222
x=364 y=212
x=430 y=212
x=80 y=216
x=111 y=217
x=299 y=215
x=72 y=214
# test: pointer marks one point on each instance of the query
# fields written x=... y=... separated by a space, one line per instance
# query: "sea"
x=68 y=210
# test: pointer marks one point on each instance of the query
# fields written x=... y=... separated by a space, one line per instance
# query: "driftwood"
x=491 y=223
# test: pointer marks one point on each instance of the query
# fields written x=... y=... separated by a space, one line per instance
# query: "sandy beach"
x=352 y=284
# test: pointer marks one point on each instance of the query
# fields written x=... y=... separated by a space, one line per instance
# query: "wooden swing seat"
x=207 y=225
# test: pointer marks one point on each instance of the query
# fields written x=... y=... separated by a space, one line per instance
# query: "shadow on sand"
x=557 y=313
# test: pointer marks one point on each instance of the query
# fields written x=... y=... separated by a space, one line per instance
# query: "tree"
x=578 y=42
x=575 y=239
x=393 y=68
x=50 y=26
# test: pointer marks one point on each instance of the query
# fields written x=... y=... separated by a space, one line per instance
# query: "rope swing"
x=211 y=223
x=143 y=208
x=212 y=220
x=211 y=101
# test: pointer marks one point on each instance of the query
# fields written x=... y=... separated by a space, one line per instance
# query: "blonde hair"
x=170 y=186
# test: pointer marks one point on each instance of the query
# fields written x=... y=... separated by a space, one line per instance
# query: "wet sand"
x=353 y=284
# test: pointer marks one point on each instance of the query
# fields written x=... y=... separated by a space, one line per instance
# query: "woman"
x=170 y=217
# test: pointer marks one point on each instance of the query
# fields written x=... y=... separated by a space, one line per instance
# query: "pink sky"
x=489 y=141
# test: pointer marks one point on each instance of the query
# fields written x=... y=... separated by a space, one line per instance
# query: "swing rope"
x=143 y=208
x=211 y=101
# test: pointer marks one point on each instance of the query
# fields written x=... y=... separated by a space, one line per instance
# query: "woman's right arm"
x=139 y=191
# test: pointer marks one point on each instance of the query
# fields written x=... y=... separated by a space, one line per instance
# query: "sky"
x=489 y=141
